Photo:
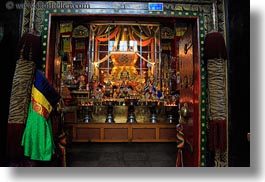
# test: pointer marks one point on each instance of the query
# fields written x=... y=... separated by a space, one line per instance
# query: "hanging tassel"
x=179 y=162
x=180 y=141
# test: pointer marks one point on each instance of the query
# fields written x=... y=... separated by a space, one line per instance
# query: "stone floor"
x=121 y=155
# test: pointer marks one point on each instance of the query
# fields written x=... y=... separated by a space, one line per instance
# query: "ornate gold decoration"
x=66 y=27
x=167 y=33
x=26 y=16
x=80 y=32
x=221 y=159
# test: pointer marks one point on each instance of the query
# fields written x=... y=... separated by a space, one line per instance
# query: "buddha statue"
x=94 y=83
x=124 y=78
x=124 y=87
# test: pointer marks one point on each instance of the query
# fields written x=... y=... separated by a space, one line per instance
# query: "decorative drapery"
x=216 y=55
x=143 y=39
x=29 y=52
x=37 y=138
x=104 y=38
x=145 y=42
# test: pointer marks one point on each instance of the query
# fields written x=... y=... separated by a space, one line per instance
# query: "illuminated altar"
x=131 y=57
x=120 y=85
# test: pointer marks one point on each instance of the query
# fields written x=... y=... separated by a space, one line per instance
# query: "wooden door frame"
x=199 y=127
x=200 y=12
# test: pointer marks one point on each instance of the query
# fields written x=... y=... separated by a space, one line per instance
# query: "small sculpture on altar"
x=82 y=81
x=108 y=92
x=125 y=87
x=95 y=87
x=94 y=82
x=115 y=92
x=151 y=88
x=124 y=79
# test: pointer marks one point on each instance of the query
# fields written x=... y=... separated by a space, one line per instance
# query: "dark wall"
x=9 y=19
x=239 y=81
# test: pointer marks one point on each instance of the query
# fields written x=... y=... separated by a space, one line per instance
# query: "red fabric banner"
x=217 y=135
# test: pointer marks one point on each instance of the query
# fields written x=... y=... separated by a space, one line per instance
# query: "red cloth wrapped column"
x=215 y=56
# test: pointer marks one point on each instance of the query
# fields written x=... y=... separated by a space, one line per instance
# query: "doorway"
x=195 y=126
